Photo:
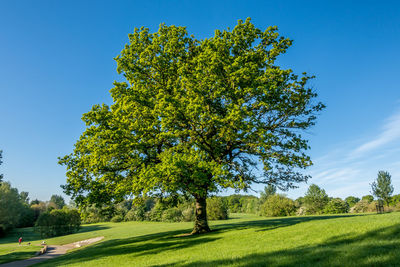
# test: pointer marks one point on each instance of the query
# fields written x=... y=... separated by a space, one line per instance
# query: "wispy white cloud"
x=390 y=133
x=350 y=169
x=335 y=175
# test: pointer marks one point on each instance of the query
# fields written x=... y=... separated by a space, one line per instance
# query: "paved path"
x=52 y=252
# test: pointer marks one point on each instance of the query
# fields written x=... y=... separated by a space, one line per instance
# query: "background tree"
x=269 y=190
x=351 y=201
x=382 y=188
x=24 y=196
x=14 y=210
x=9 y=207
x=336 y=206
x=315 y=199
x=278 y=205
x=195 y=116
x=58 y=201
x=368 y=198
x=395 y=199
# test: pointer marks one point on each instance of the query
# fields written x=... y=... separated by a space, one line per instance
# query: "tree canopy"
x=195 y=116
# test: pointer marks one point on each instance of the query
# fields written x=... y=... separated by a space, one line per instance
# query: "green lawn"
x=244 y=240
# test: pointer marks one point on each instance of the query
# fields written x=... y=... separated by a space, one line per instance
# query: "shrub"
x=234 y=204
x=117 y=218
x=364 y=206
x=368 y=198
x=172 y=215
x=394 y=200
x=335 y=206
x=216 y=209
x=397 y=207
x=351 y=201
x=188 y=214
x=156 y=213
x=278 y=205
x=58 y=222
x=137 y=213
x=188 y=211
x=251 y=205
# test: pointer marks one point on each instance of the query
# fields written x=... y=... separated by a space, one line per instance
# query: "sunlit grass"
x=244 y=240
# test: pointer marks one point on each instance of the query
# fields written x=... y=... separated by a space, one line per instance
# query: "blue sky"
x=56 y=61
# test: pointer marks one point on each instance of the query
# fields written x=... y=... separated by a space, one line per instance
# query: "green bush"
x=364 y=206
x=137 y=213
x=156 y=213
x=58 y=222
x=278 y=205
x=172 y=215
x=351 y=201
x=216 y=209
x=234 y=203
x=251 y=205
x=188 y=211
x=336 y=206
x=117 y=218
x=368 y=198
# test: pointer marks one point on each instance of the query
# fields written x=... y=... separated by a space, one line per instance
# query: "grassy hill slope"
x=244 y=240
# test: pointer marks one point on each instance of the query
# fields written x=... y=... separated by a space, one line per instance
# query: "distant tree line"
x=50 y=218
x=54 y=217
x=176 y=208
x=17 y=211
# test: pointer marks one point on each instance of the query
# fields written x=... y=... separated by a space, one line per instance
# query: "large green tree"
x=382 y=188
x=195 y=116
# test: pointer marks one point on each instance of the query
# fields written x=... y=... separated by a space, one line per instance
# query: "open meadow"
x=243 y=240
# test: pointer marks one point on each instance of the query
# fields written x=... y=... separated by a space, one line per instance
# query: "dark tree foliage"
x=58 y=222
x=14 y=210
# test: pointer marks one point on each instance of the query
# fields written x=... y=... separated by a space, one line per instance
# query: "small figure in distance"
x=20 y=240
x=29 y=243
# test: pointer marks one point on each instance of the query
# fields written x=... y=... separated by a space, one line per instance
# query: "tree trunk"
x=200 y=223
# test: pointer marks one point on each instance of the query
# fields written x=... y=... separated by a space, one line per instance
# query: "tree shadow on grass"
x=91 y=228
x=152 y=244
x=270 y=224
x=137 y=246
x=28 y=234
x=15 y=256
x=374 y=248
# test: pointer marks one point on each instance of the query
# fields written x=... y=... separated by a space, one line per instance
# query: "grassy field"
x=243 y=240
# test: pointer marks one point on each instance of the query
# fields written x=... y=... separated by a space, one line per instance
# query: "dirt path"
x=52 y=252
